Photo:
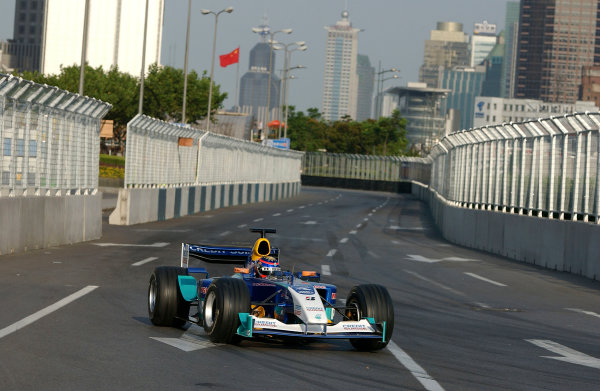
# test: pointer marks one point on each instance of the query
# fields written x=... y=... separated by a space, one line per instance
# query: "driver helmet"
x=266 y=266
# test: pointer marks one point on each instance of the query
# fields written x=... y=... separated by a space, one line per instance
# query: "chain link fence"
x=49 y=139
x=162 y=155
x=367 y=167
x=548 y=167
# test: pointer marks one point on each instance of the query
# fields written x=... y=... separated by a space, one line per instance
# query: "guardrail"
x=547 y=167
x=49 y=139
x=366 y=167
x=162 y=155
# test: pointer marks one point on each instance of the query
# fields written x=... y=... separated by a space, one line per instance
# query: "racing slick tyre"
x=166 y=305
x=225 y=298
x=371 y=301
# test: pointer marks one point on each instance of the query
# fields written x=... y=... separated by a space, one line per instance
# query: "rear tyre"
x=372 y=301
x=225 y=298
x=166 y=305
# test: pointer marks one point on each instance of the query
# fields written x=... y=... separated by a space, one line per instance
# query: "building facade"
x=254 y=86
x=590 y=84
x=48 y=34
x=482 y=42
x=465 y=84
x=492 y=110
x=511 y=40
x=557 y=38
x=447 y=47
x=340 y=82
x=366 y=80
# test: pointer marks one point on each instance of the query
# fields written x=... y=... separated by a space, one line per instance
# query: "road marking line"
x=301 y=207
x=309 y=222
x=359 y=225
x=276 y=214
x=584 y=312
x=484 y=279
x=566 y=354
x=415 y=369
x=398 y=228
x=370 y=214
x=162 y=230
x=434 y=283
x=157 y=244
x=331 y=252
x=353 y=232
x=420 y=258
x=242 y=225
x=365 y=219
x=371 y=253
x=289 y=210
x=143 y=261
x=325 y=270
x=259 y=219
x=46 y=311
x=344 y=240
x=225 y=233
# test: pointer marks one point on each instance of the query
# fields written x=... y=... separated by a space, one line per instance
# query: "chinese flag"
x=230 y=58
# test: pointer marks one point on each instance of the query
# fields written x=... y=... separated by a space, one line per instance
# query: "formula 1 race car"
x=261 y=300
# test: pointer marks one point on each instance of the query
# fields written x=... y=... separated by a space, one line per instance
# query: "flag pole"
x=237 y=82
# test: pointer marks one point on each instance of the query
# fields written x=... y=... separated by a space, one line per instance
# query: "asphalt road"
x=75 y=317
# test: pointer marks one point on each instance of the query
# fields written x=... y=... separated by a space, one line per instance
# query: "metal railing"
x=49 y=139
x=367 y=167
x=547 y=167
x=161 y=154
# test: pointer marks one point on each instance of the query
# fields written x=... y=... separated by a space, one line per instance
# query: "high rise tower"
x=511 y=41
x=557 y=39
x=446 y=47
x=340 y=83
x=366 y=79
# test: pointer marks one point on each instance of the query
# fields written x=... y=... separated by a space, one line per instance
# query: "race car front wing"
x=364 y=328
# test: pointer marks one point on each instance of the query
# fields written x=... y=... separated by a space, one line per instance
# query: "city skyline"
x=391 y=30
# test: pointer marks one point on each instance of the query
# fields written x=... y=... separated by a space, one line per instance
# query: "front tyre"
x=372 y=301
x=225 y=298
x=166 y=305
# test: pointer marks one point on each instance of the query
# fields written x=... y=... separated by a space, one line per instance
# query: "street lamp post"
x=301 y=45
x=212 y=64
x=383 y=81
x=286 y=96
x=380 y=86
x=271 y=44
x=185 y=62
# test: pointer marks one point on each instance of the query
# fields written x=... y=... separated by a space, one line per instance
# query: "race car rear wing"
x=218 y=254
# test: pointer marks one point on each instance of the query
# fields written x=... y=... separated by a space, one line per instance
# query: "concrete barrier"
x=570 y=246
x=143 y=205
x=34 y=222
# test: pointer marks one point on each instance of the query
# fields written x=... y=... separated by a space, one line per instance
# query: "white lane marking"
x=193 y=339
x=365 y=219
x=398 y=228
x=46 y=311
x=325 y=270
x=343 y=240
x=484 y=279
x=353 y=232
x=143 y=261
x=482 y=305
x=420 y=258
x=331 y=252
x=370 y=214
x=359 y=225
x=276 y=214
x=289 y=210
x=161 y=230
x=371 y=253
x=566 y=354
x=179 y=343
x=56 y=262
x=319 y=203
x=590 y=313
x=310 y=204
x=430 y=281
x=225 y=233
x=301 y=207
x=415 y=369
x=259 y=219
x=242 y=225
x=374 y=210
x=309 y=222
x=157 y=244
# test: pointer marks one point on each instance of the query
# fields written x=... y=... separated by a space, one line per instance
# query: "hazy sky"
x=394 y=33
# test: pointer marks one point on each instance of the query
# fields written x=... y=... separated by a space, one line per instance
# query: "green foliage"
x=309 y=132
x=112 y=160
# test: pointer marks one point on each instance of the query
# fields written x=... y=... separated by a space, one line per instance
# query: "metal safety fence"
x=161 y=154
x=367 y=167
x=49 y=139
x=547 y=167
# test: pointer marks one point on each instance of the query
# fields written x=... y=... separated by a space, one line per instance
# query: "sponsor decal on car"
x=319 y=309
x=317 y=316
x=319 y=286
x=262 y=284
x=304 y=290
x=333 y=295
x=203 y=290
x=308 y=298
x=260 y=323
x=355 y=327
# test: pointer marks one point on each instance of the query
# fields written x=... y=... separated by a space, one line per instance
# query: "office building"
x=493 y=63
x=483 y=41
x=492 y=110
x=366 y=80
x=557 y=39
x=590 y=84
x=464 y=84
x=511 y=41
x=48 y=34
x=447 y=47
x=340 y=82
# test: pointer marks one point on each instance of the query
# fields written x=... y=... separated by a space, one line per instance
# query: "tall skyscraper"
x=483 y=41
x=48 y=34
x=446 y=47
x=465 y=85
x=340 y=84
x=253 y=85
x=557 y=39
x=366 y=79
x=511 y=41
